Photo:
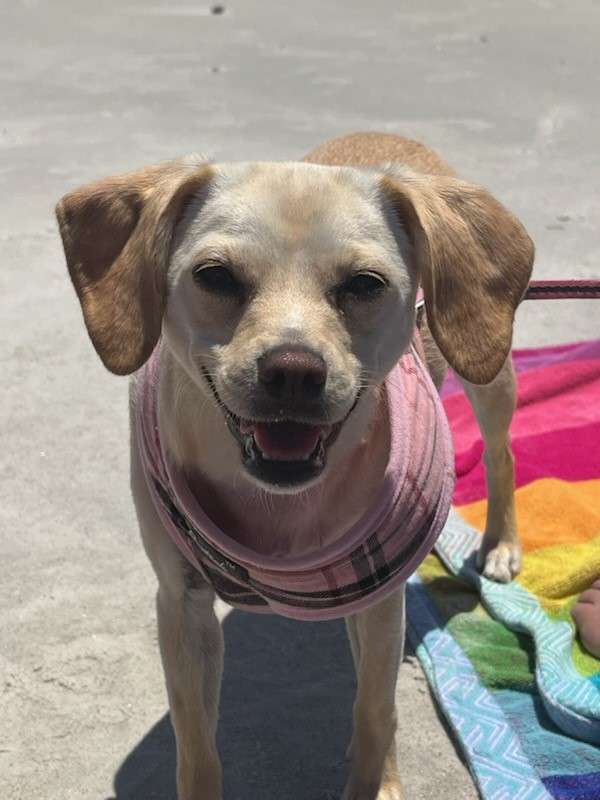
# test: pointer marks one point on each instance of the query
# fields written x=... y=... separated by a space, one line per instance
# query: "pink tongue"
x=286 y=441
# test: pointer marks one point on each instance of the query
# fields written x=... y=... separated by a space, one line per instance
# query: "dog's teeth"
x=249 y=446
x=320 y=456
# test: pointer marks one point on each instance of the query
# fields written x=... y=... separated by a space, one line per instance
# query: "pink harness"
x=376 y=554
x=360 y=567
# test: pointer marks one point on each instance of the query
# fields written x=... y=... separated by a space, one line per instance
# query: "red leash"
x=563 y=290
x=587 y=289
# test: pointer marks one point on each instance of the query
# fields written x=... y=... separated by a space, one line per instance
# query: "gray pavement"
x=506 y=90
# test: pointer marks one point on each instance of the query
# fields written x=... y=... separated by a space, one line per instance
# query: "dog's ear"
x=474 y=260
x=117 y=236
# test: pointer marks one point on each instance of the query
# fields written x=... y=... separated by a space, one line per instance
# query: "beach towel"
x=504 y=661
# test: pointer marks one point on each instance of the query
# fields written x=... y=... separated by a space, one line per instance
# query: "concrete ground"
x=507 y=90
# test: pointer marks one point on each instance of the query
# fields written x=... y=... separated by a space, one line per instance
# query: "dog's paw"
x=500 y=563
x=357 y=790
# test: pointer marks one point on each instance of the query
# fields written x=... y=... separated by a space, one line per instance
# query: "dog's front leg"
x=191 y=644
x=494 y=404
x=377 y=642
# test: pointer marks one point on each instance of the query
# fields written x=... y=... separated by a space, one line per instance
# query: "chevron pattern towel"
x=521 y=694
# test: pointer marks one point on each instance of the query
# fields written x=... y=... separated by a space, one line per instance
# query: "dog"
x=264 y=307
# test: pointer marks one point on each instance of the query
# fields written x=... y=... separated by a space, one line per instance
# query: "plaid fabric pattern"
x=361 y=567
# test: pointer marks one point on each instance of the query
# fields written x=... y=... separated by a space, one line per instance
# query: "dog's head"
x=287 y=291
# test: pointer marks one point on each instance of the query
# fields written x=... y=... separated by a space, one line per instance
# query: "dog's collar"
x=363 y=565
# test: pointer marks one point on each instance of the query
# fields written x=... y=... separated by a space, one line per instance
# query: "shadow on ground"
x=286 y=710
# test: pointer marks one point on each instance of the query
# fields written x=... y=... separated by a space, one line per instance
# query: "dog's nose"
x=292 y=374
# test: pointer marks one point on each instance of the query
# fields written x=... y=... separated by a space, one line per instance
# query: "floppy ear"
x=474 y=260
x=117 y=236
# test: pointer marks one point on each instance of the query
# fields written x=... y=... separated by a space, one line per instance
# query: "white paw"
x=502 y=563
x=357 y=791
x=390 y=793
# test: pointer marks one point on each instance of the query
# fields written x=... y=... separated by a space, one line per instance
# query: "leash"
x=586 y=289
x=563 y=290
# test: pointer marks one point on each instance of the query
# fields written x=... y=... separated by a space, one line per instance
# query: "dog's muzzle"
x=282 y=452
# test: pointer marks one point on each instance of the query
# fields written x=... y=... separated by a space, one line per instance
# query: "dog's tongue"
x=286 y=441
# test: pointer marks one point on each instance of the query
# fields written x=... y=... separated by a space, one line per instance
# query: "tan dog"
x=287 y=283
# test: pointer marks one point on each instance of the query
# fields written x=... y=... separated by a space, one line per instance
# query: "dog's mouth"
x=284 y=453
x=281 y=452
x=284 y=440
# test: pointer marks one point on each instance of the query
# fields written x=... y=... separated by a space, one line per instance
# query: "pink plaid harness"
x=376 y=554
x=359 y=568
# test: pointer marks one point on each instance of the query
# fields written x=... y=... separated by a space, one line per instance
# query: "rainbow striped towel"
x=519 y=691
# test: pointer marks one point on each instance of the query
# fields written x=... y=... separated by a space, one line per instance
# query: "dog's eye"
x=364 y=286
x=218 y=279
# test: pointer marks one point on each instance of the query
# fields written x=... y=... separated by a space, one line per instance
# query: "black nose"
x=292 y=374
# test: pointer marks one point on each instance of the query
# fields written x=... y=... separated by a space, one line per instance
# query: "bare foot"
x=586 y=613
